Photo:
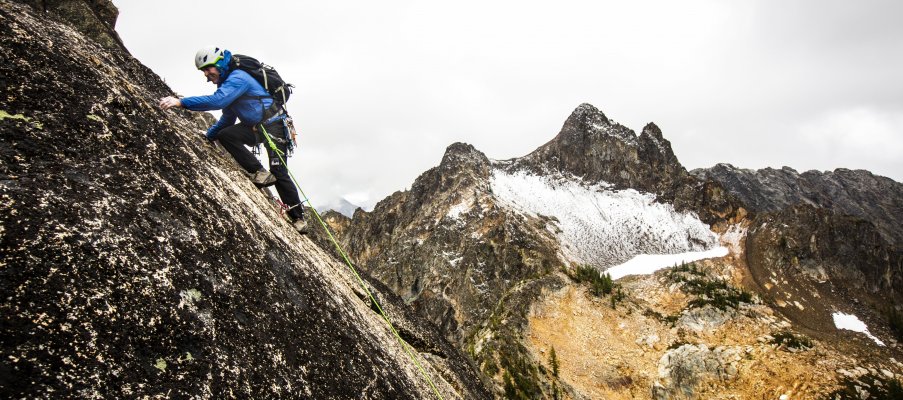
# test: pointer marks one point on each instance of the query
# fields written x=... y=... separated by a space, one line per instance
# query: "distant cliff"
x=858 y=193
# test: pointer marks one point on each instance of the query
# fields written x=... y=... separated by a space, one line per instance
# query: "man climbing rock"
x=241 y=96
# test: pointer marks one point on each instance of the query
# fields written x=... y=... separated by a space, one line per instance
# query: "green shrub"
x=709 y=291
x=617 y=296
x=490 y=368
x=690 y=269
x=553 y=362
x=792 y=341
x=521 y=377
x=600 y=284
x=716 y=293
x=669 y=319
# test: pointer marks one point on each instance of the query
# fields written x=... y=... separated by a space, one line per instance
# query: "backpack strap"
x=272 y=112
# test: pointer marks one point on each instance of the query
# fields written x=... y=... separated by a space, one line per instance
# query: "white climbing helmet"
x=208 y=56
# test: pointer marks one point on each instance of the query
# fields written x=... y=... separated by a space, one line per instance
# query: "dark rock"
x=850 y=192
x=821 y=241
x=96 y=19
x=819 y=259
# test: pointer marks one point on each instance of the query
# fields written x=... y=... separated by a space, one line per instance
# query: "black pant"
x=236 y=137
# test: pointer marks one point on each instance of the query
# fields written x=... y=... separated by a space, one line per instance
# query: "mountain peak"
x=596 y=148
x=587 y=125
x=587 y=110
x=653 y=135
x=462 y=155
x=653 y=130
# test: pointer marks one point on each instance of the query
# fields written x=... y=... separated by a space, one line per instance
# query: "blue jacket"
x=233 y=97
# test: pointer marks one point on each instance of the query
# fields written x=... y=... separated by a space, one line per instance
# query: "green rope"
x=360 y=280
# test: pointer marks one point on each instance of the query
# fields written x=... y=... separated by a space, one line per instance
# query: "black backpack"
x=266 y=75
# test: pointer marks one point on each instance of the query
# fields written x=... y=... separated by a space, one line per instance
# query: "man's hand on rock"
x=170 y=102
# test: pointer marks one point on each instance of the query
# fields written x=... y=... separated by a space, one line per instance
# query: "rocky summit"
x=794 y=299
x=137 y=261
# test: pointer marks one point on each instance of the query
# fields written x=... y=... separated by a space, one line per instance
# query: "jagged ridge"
x=852 y=192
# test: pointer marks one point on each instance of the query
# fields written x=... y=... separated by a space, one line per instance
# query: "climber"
x=240 y=96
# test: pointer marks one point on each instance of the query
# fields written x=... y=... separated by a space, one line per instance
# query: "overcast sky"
x=384 y=87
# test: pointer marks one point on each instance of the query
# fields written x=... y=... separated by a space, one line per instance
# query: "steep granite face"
x=138 y=261
x=95 y=19
x=851 y=192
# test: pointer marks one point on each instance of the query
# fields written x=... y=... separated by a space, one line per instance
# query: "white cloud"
x=383 y=88
x=860 y=137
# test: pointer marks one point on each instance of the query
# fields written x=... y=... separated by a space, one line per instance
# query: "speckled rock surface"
x=137 y=261
x=681 y=369
x=95 y=19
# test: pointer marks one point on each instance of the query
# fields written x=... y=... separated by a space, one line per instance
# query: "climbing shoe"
x=263 y=178
x=300 y=225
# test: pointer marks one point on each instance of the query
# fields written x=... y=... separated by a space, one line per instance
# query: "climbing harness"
x=405 y=345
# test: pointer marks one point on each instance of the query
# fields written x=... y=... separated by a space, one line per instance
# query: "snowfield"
x=851 y=322
x=604 y=228
x=644 y=264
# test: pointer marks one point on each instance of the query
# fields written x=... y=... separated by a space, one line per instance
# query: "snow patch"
x=645 y=264
x=851 y=322
x=461 y=208
x=733 y=236
x=599 y=226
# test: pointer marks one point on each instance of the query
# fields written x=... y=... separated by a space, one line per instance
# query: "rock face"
x=683 y=368
x=813 y=259
x=447 y=248
x=858 y=193
x=821 y=239
x=137 y=261
x=95 y=19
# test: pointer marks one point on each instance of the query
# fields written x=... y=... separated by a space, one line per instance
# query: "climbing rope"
x=405 y=345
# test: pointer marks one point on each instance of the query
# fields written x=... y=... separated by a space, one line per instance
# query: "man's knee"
x=236 y=134
x=280 y=173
